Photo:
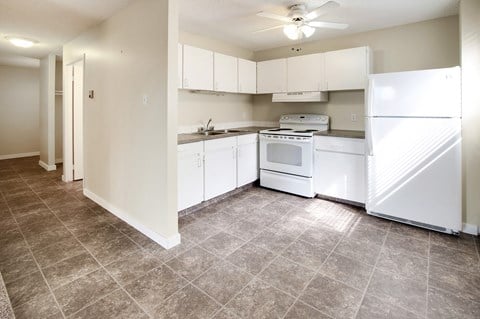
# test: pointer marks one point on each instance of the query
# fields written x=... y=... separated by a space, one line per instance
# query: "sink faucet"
x=206 y=127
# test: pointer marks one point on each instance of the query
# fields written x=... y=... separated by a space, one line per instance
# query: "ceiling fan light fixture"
x=307 y=30
x=21 y=42
x=291 y=31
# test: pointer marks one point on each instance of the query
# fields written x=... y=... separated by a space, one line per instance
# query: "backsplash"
x=226 y=125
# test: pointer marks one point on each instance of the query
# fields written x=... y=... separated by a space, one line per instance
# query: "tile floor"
x=259 y=254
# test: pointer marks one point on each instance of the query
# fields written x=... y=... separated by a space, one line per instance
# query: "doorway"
x=73 y=121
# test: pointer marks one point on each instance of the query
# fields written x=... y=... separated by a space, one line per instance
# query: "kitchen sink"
x=207 y=133
x=232 y=131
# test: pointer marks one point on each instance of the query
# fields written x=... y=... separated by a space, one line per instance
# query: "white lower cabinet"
x=220 y=166
x=339 y=169
x=247 y=159
x=190 y=174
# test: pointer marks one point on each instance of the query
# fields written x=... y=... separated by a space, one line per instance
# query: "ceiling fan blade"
x=328 y=25
x=268 y=29
x=321 y=10
x=274 y=16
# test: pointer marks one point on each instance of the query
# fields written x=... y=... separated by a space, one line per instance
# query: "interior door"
x=414 y=170
x=77 y=125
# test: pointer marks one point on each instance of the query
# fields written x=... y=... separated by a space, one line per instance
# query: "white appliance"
x=340 y=168
x=286 y=153
x=413 y=136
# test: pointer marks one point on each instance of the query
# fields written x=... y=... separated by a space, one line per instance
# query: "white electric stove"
x=286 y=153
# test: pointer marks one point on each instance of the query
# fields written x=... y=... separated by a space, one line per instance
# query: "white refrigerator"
x=413 y=138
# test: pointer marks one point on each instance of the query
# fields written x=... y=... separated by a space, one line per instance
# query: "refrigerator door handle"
x=369 y=98
x=369 y=136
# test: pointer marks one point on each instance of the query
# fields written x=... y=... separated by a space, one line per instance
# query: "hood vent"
x=300 y=97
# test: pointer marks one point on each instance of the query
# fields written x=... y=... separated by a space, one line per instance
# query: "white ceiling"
x=55 y=22
x=235 y=21
x=51 y=22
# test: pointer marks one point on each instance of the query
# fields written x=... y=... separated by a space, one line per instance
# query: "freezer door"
x=414 y=170
x=425 y=93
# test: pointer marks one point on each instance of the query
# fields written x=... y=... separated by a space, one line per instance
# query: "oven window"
x=284 y=154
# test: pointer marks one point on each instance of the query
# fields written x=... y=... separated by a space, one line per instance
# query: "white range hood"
x=300 y=97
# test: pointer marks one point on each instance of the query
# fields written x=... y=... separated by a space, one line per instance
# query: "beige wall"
x=130 y=148
x=423 y=45
x=19 y=109
x=58 y=112
x=196 y=108
x=470 y=56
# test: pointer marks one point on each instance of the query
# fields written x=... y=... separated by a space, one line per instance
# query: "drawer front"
x=340 y=144
x=190 y=148
x=247 y=139
x=220 y=143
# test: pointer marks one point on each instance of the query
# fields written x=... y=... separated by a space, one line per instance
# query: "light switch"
x=145 y=99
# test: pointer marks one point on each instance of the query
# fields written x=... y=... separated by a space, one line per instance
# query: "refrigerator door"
x=425 y=93
x=414 y=170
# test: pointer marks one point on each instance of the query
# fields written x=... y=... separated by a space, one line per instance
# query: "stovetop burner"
x=280 y=129
x=305 y=131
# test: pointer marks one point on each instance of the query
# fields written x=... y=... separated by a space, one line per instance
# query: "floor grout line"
x=373 y=271
x=34 y=258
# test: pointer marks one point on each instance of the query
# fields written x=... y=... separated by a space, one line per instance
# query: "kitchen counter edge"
x=186 y=138
x=342 y=133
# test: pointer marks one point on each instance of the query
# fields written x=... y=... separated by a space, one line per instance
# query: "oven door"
x=287 y=154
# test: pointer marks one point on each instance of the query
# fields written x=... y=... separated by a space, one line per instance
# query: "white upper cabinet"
x=306 y=73
x=180 y=66
x=272 y=76
x=347 y=69
x=197 y=68
x=225 y=73
x=247 y=76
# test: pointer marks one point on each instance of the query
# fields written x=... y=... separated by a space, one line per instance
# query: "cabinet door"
x=247 y=159
x=272 y=76
x=247 y=76
x=340 y=175
x=347 y=69
x=305 y=73
x=225 y=73
x=180 y=66
x=197 y=68
x=190 y=175
x=220 y=166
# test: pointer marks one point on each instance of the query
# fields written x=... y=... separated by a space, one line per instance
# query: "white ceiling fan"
x=299 y=22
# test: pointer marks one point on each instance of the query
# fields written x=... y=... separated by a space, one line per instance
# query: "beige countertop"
x=192 y=137
x=342 y=133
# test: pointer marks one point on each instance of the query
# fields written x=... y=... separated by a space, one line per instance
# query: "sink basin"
x=210 y=133
x=231 y=131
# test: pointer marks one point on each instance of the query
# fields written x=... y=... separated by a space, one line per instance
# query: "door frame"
x=68 y=117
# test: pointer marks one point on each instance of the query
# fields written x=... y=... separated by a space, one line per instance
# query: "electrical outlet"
x=353 y=117
x=145 y=99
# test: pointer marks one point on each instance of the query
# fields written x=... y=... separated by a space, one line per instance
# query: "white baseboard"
x=58 y=160
x=19 y=155
x=167 y=243
x=470 y=229
x=46 y=166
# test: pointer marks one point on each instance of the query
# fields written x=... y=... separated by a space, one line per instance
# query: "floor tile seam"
x=314 y=276
x=457 y=268
x=39 y=269
x=93 y=302
x=457 y=249
x=475 y=301
x=76 y=278
x=99 y=263
x=372 y=272
x=108 y=273
x=9 y=301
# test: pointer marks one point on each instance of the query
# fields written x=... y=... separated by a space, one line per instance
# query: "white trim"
x=58 y=160
x=167 y=243
x=46 y=166
x=470 y=229
x=18 y=155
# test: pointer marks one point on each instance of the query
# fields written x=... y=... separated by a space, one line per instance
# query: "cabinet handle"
x=199 y=161
x=233 y=153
